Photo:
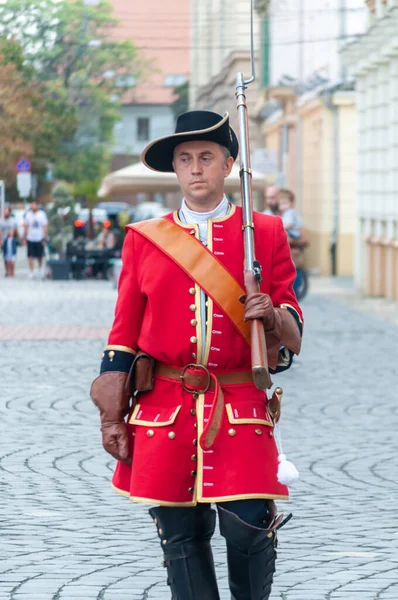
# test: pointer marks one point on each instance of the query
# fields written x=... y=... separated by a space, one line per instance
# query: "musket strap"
x=200 y=265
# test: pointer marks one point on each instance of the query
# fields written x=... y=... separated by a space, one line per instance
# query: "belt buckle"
x=195 y=366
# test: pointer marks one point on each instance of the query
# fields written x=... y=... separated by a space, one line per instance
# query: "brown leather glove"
x=109 y=394
x=280 y=326
x=259 y=306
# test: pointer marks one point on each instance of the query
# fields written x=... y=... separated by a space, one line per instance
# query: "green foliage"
x=61 y=217
x=68 y=50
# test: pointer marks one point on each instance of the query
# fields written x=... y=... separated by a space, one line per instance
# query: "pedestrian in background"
x=6 y=223
x=10 y=251
x=292 y=221
x=35 y=224
x=271 y=200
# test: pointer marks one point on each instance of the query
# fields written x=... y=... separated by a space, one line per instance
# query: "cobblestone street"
x=66 y=535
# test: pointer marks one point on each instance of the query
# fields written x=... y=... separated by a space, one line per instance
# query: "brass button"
x=271 y=433
x=195 y=425
x=103 y=355
x=155 y=521
x=190 y=490
x=164 y=542
x=111 y=354
x=195 y=396
x=193 y=339
x=194 y=322
x=150 y=433
x=193 y=412
x=192 y=291
x=194 y=457
x=195 y=442
x=193 y=473
x=192 y=307
x=160 y=531
x=172 y=435
x=232 y=432
x=259 y=431
x=269 y=535
x=194 y=355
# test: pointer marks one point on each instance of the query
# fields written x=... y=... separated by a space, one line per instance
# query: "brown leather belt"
x=199 y=376
x=197 y=379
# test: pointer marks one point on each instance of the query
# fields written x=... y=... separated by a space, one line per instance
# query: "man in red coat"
x=197 y=430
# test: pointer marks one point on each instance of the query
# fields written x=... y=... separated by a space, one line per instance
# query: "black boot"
x=251 y=554
x=185 y=535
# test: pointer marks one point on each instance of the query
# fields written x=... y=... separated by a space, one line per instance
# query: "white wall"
x=161 y=121
x=305 y=36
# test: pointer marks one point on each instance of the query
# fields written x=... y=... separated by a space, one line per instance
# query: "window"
x=174 y=80
x=143 y=129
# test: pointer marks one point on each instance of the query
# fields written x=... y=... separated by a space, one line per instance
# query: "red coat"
x=158 y=310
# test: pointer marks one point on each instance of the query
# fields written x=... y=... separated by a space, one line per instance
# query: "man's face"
x=201 y=168
x=271 y=198
x=7 y=212
x=34 y=206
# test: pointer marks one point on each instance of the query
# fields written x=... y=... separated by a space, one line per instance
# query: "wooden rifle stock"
x=252 y=268
x=261 y=376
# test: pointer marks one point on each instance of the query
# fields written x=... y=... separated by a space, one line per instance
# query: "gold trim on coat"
x=292 y=307
x=134 y=421
x=121 y=348
x=156 y=502
x=244 y=421
x=209 y=311
x=243 y=497
x=200 y=416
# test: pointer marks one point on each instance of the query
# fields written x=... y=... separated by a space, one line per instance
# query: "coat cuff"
x=117 y=358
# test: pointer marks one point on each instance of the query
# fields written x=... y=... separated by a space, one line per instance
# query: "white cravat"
x=201 y=218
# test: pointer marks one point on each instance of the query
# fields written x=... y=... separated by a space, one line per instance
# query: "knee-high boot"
x=185 y=536
x=251 y=554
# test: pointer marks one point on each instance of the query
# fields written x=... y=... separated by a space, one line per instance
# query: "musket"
x=252 y=267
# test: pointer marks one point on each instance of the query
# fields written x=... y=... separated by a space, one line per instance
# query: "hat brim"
x=158 y=155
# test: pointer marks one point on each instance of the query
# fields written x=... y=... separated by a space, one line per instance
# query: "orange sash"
x=200 y=264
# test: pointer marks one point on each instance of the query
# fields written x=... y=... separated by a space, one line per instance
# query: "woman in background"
x=10 y=251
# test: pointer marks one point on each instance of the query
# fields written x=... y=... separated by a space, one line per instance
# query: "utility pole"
x=301 y=41
x=342 y=35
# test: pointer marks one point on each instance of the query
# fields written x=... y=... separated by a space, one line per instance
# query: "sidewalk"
x=67 y=536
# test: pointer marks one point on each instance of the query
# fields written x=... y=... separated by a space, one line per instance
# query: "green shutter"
x=265 y=52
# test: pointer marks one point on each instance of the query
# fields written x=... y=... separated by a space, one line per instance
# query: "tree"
x=82 y=71
x=19 y=122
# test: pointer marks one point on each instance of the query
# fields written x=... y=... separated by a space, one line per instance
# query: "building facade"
x=161 y=34
x=308 y=111
x=373 y=60
x=220 y=37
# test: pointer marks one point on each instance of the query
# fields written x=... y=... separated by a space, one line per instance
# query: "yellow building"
x=315 y=137
x=373 y=60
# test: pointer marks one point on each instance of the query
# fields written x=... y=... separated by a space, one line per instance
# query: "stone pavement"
x=65 y=535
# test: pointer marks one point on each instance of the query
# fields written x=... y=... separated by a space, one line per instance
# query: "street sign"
x=23 y=165
x=24 y=184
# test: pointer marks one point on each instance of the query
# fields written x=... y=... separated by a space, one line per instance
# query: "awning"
x=138 y=178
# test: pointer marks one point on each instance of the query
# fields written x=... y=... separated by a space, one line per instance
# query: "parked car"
x=114 y=208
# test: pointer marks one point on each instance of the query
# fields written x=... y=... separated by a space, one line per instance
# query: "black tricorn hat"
x=191 y=126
